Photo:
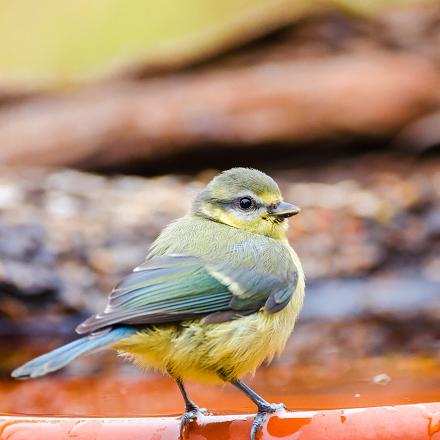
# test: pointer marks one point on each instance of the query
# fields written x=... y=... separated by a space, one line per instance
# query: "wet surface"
x=393 y=380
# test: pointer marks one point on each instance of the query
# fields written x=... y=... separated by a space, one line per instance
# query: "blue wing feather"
x=61 y=356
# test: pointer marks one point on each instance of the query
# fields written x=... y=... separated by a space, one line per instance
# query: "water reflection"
x=299 y=386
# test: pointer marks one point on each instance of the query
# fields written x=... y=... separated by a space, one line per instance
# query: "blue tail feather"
x=61 y=356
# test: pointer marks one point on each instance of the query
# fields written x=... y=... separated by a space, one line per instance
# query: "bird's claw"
x=261 y=417
x=277 y=407
x=189 y=416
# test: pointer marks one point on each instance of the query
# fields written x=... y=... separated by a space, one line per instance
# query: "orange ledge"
x=402 y=422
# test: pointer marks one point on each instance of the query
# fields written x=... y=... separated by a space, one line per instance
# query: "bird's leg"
x=264 y=407
x=191 y=409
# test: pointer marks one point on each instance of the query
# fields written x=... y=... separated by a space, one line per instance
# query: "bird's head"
x=246 y=199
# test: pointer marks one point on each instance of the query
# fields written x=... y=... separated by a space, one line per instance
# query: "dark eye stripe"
x=235 y=203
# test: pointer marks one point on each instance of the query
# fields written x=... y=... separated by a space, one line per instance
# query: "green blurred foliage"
x=57 y=42
x=63 y=40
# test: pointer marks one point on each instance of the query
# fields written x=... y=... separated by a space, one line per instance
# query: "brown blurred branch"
x=277 y=101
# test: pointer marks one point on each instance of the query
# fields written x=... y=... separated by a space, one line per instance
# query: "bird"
x=217 y=295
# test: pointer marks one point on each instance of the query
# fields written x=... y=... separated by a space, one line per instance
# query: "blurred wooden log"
x=421 y=135
x=374 y=93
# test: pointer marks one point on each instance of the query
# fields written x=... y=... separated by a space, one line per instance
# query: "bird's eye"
x=246 y=203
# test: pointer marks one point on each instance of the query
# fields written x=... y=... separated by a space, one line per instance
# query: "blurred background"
x=113 y=115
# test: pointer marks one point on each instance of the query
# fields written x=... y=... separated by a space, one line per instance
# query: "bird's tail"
x=60 y=357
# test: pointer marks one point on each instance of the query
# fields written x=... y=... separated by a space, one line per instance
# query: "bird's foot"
x=262 y=414
x=190 y=415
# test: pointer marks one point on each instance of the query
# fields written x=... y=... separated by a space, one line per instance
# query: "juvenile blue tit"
x=218 y=294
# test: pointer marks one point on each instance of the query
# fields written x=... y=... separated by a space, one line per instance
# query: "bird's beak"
x=284 y=210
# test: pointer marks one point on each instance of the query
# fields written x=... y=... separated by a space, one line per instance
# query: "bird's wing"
x=253 y=288
x=176 y=288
